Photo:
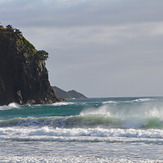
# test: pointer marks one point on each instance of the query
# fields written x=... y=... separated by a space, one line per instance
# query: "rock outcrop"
x=23 y=75
x=68 y=95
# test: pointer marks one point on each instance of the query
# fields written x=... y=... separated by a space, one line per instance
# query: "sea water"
x=93 y=130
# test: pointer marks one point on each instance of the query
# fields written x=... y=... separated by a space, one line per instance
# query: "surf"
x=81 y=135
x=87 y=121
x=119 y=113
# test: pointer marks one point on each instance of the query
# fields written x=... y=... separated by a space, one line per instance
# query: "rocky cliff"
x=23 y=75
x=68 y=95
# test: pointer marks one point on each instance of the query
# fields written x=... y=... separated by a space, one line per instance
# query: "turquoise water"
x=86 y=130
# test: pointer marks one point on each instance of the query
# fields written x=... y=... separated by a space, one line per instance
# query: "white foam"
x=143 y=100
x=71 y=159
x=109 y=102
x=10 y=106
x=80 y=134
x=62 y=103
x=13 y=105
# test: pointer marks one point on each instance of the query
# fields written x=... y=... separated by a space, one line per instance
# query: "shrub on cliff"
x=42 y=55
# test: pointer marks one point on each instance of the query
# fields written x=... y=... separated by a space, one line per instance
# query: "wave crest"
x=86 y=121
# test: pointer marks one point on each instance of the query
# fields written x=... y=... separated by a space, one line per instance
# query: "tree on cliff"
x=9 y=27
x=14 y=30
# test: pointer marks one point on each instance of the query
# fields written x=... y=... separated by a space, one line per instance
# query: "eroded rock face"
x=23 y=75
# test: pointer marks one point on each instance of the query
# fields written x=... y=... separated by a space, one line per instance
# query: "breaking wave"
x=127 y=115
x=143 y=100
x=88 y=121
x=12 y=105
x=111 y=121
x=137 y=100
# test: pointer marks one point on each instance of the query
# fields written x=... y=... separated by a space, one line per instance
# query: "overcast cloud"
x=101 y=48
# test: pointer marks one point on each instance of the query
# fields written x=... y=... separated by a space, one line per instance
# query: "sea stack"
x=23 y=75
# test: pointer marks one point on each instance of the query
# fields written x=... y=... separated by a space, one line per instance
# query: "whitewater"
x=93 y=130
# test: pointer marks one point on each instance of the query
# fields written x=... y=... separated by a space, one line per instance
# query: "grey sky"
x=98 y=47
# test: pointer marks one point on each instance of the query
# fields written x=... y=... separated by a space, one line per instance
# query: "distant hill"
x=67 y=95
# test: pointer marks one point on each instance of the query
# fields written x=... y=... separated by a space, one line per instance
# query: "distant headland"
x=68 y=95
x=23 y=74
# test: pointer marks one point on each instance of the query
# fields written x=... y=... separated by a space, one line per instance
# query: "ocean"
x=93 y=130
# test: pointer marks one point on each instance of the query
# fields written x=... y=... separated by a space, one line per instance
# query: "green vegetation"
x=38 y=56
x=42 y=55
x=1 y=27
x=11 y=29
x=29 y=50
x=26 y=42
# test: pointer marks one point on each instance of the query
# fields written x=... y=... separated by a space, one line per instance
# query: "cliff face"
x=23 y=75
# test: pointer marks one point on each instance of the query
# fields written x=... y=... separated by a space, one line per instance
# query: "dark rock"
x=23 y=75
x=68 y=95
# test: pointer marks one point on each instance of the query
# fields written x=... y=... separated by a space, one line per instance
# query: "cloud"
x=101 y=48
x=103 y=56
x=61 y=13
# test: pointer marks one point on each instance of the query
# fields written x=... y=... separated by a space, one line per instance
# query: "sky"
x=101 y=48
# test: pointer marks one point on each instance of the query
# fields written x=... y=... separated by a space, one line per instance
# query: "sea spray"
x=130 y=116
